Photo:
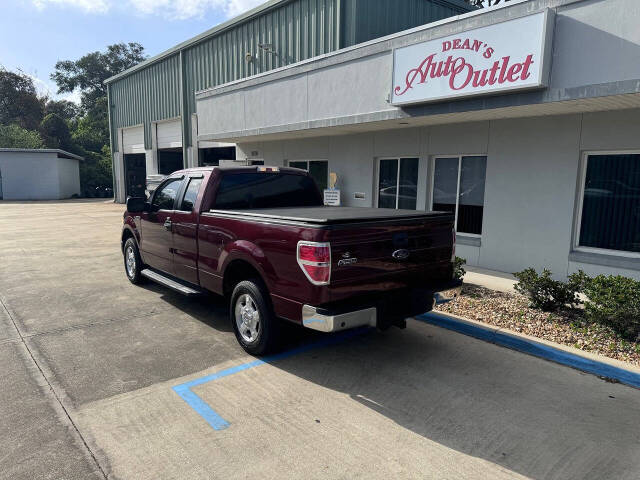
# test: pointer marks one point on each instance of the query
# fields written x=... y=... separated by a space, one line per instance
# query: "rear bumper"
x=394 y=306
x=334 y=322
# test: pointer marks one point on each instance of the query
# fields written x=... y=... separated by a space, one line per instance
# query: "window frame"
x=376 y=185
x=307 y=169
x=577 y=224
x=183 y=192
x=459 y=156
x=178 y=193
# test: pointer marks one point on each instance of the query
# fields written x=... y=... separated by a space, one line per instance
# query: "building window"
x=318 y=169
x=458 y=187
x=398 y=183
x=610 y=209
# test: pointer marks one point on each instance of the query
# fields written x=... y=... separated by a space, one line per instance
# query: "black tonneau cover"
x=333 y=215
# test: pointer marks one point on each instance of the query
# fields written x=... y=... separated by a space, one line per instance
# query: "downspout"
x=111 y=149
x=183 y=112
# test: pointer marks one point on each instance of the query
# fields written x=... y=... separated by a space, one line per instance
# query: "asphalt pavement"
x=103 y=379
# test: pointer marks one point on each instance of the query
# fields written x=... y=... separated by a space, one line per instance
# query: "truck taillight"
x=315 y=261
x=453 y=251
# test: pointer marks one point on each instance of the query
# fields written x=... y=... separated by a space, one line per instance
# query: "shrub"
x=614 y=301
x=458 y=268
x=544 y=292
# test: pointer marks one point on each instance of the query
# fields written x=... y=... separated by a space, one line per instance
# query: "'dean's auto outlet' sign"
x=512 y=55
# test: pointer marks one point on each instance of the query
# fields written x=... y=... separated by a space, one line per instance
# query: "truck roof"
x=240 y=168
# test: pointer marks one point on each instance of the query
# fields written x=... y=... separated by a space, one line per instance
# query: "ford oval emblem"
x=401 y=254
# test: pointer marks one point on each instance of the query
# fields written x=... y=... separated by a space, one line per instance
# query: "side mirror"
x=136 y=204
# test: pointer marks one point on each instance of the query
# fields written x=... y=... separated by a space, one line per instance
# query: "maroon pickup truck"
x=261 y=237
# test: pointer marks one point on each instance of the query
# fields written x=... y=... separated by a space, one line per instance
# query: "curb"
x=536 y=348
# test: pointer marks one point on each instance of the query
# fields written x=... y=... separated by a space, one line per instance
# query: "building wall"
x=297 y=30
x=352 y=88
x=68 y=177
x=31 y=176
x=533 y=166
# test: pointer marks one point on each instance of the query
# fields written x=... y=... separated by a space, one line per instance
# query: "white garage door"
x=169 y=134
x=133 y=140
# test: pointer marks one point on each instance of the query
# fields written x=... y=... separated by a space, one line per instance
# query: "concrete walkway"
x=482 y=277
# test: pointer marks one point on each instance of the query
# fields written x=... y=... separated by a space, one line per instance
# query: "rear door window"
x=251 y=190
x=190 y=195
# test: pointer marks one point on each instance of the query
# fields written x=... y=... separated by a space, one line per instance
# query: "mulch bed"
x=568 y=327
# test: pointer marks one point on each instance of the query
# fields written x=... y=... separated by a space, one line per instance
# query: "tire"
x=133 y=269
x=260 y=334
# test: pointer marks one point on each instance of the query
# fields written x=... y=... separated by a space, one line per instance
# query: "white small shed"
x=38 y=174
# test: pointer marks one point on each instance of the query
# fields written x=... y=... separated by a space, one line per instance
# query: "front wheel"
x=132 y=261
x=255 y=325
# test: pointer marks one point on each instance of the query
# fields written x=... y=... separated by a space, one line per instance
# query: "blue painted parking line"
x=532 y=347
x=210 y=415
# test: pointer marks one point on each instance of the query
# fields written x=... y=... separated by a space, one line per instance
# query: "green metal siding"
x=296 y=29
x=368 y=19
x=145 y=96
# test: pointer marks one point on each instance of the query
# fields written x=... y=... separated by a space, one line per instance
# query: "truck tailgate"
x=391 y=251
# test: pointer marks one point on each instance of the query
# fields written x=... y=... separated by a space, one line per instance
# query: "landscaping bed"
x=567 y=326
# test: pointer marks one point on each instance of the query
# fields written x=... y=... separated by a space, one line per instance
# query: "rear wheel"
x=132 y=261
x=256 y=327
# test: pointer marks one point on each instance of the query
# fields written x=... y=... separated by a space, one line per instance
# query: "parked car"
x=261 y=237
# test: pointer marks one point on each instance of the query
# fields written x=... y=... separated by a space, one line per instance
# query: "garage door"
x=169 y=134
x=133 y=140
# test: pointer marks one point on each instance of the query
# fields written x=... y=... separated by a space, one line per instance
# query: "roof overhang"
x=58 y=152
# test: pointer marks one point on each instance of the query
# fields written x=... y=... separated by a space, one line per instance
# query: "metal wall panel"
x=365 y=20
x=296 y=30
x=145 y=96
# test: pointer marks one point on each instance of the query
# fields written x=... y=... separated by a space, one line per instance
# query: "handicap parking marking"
x=203 y=409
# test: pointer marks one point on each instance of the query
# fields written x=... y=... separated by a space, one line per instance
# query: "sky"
x=35 y=34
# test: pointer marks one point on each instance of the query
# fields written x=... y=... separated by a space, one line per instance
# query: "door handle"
x=167 y=224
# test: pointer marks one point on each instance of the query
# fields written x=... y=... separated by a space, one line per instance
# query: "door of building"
x=135 y=169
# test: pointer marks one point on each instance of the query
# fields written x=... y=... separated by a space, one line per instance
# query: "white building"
x=38 y=174
x=523 y=119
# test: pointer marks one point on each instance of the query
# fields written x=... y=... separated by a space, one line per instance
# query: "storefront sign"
x=332 y=198
x=511 y=55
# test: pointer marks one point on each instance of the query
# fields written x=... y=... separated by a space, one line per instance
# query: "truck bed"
x=333 y=215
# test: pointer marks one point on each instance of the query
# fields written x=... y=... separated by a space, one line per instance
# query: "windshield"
x=238 y=191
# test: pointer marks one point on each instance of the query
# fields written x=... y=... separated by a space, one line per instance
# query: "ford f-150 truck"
x=261 y=237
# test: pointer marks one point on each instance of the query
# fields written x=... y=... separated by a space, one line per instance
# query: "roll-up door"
x=169 y=134
x=133 y=140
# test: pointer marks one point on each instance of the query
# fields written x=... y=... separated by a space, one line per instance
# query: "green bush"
x=544 y=292
x=458 y=268
x=613 y=301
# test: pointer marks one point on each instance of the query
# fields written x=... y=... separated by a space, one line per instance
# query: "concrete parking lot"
x=89 y=364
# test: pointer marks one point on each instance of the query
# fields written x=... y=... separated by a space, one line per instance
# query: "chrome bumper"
x=335 y=323
x=323 y=320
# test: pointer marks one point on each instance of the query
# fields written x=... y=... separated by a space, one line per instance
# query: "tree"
x=19 y=101
x=65 y=109
x=90 y=127
x=14 y=136
x=55 y=132
x=89 y=72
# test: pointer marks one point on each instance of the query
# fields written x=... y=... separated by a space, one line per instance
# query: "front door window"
x=318 y=169
x=398 y=183
x=458 y=187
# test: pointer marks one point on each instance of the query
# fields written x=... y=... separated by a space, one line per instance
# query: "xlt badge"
x=347 y=260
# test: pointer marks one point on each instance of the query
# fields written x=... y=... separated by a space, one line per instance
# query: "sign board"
x=507 y=56
x=332 y=198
